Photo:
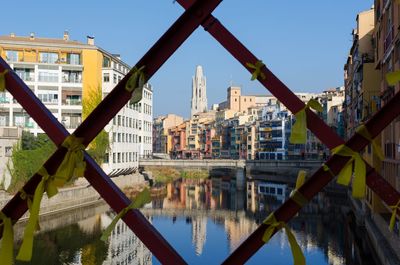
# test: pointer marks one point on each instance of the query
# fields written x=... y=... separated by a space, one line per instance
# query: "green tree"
x=100 y=145
x=27 y=157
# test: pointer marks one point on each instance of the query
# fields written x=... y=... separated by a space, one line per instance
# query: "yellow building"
x=66 y=75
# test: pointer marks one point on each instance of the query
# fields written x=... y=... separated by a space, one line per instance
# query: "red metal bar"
x=157 y=55
x=320 y=179
x=282 y=92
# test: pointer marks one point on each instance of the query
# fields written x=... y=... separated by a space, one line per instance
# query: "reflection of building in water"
x=199 y=233
x=257 y=191
x=238 y=229
x=125 y=247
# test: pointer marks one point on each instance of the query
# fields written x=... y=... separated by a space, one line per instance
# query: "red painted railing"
x=197 y=13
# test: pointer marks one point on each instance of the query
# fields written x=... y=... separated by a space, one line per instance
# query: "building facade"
x=67 y=76
x=387 y=53
x=199 y=92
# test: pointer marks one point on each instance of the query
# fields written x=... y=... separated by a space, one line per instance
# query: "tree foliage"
x=27 y=157
x=100 y=145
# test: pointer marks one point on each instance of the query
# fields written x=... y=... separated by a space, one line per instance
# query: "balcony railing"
x=72 y=79
x=388 y=40
x=72 y=102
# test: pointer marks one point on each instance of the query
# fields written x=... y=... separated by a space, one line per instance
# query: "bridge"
x=252 y=167
x=205 y=163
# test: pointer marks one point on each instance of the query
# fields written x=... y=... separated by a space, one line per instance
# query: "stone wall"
x=79 y=196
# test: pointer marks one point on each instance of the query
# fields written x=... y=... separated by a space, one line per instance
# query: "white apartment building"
x=130 y=132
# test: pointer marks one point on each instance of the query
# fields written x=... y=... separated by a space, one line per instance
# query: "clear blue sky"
x=304 y=42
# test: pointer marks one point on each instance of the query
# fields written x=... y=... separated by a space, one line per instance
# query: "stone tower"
x=199 y=92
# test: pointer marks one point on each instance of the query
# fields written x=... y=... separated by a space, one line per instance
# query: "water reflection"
x=205 y=220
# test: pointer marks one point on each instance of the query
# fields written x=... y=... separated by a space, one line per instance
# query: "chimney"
x=12 y=35
x=90 y=40
x=32 y=36
x=66 y=35
x=118 y=56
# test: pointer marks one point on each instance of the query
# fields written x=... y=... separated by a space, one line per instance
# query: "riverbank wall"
x=386 y=244
x=82 y=195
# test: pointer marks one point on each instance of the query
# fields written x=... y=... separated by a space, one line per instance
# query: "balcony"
x=74 y=77
x=72 y=101
x=388 y=40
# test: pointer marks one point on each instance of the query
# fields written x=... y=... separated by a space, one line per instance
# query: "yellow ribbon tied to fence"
x=73 y=164
x=7 y=244
x=295 y=195
x=141 y=199
x=393 y=77
x=3 y=80
x=257 y=70
x=136 y=83
x=345 y=174
x=363 y=131
x=327 y=169
x=26 y=197
x=273 y=224
x=298 y=135
x=394 y=208
x=46 y=184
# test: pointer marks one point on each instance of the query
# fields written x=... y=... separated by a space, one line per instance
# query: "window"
x=48 y=57
x=106 y=62
x=115 y=78
x=8 y=150
x=12 y=56
x=48 y=77
x=71 y=76
x=119 y=157
x=106 y=78
x=25 y=74
x=272 y=190
x=74 y=58
x=114 y=160
x=48 y=97
x=106 y=158
x=279 y=191
x=114 y=139
x=235 y=99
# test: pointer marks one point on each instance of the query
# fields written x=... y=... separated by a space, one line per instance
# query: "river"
x=205 y=220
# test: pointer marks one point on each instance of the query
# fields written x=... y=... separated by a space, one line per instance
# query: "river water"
x=205 y=220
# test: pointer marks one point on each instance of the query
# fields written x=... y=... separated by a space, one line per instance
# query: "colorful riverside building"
x=374 y=53
x=387 y=59
x=66 y=75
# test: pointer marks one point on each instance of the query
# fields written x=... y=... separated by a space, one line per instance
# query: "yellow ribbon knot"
x=3 y=80
x=135 y=84
x=345 y=174
x=73 y=164
x=327 y=169
x=298 y=133
x=26 y=197
x=257 y=70
x=141 y=199
x=295 y=195
x=393 y=77
x=46 y=184
x=272 y=223
x=394 y=208
x=363 y=131
x=7 y=244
